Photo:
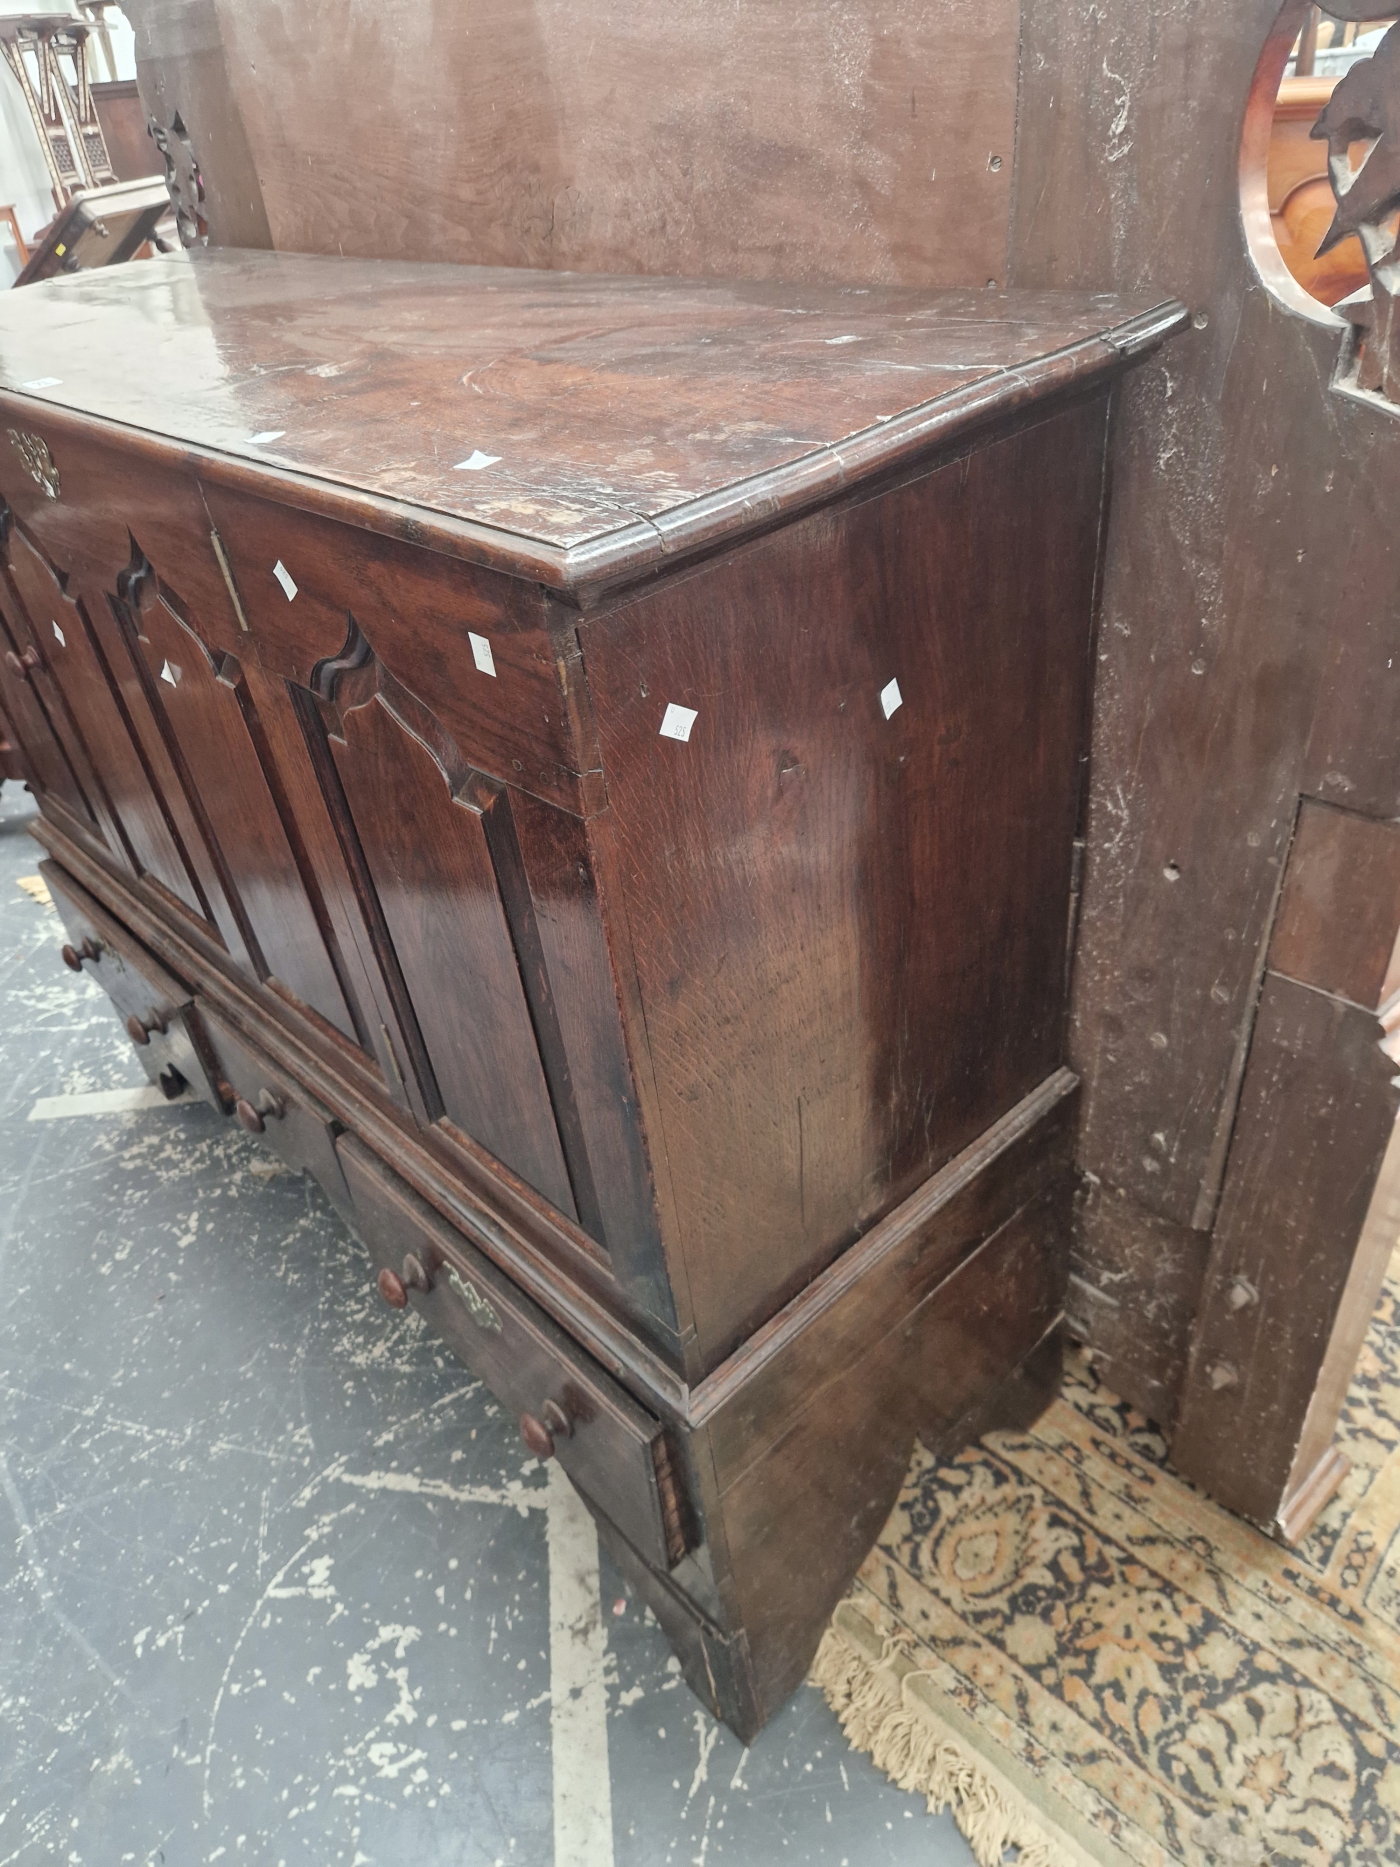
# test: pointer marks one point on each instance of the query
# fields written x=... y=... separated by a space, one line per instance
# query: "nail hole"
x=1172 y=872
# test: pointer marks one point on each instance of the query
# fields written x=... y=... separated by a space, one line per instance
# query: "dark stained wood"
x=445 y=921
x=417 y=610
x=148 y=998
x=45 y=759
x=1314 y=1120
x=604 y=1440
x=833 y=141
x=634 y=406
x=142 y=832
x=269 y=1103
x=195 y=80
x=841 y=1468
x=196 y=692
x=703 y=1087
x=828 y=1028
x=561 y=933
x=534 y=1244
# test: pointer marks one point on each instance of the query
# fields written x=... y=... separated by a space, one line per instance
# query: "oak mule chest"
x=589 y=768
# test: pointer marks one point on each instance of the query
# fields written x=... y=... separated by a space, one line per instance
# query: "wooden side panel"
x=1339 y=914
x=840 y=139
x=426 y=850
x=849 y=929
x=815 y=1501
x=1286 y=1293
x=1315 y=1116
x=1134 y=1286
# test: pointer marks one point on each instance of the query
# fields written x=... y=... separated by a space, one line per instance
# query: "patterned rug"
x=1089 y=1662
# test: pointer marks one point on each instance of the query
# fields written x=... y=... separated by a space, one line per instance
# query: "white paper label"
x=60 y=637
x=284 y=577
x=475 y=461
x=43 y=382
x=170 y=674
x=481 y=653
x=891 y=699
x=677 y=721
x=266 y=435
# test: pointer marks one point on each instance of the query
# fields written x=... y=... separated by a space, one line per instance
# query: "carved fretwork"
x=33 y=450
x=183 y=179
x=1365 y=108
x=60 y=106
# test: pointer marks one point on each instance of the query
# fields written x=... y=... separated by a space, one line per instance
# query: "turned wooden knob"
x=22 y=664
x=139 y=1030
x=73 y=956
x=253 y=1114
x=539 y=1435
x=391 y=1289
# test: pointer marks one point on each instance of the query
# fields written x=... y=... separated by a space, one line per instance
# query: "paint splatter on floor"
x=275 y=1573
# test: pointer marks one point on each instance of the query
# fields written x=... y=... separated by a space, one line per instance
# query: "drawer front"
x=615 y=1452
x=274 y=1106
x=149 y=999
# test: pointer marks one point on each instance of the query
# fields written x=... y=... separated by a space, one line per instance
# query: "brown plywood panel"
x=1339 y=913
x=835 y=139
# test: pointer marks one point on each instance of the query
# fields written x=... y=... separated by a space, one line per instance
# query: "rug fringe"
x=903 y=1738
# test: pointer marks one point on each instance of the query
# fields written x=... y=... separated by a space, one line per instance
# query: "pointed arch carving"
x=432 y=841
x=263 y=890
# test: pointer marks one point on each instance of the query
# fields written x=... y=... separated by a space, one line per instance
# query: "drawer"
x=614 y=1451
x=273 y=1105
x=157 y=1008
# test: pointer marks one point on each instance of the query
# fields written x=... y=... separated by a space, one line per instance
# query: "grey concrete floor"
x=278 y=1583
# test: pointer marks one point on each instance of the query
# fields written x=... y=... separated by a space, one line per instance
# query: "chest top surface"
x=569 y=424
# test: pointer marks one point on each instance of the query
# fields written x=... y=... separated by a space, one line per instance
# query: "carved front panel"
x=63 y=641
x=45 y=759
x=428 y=834
x=197 y=693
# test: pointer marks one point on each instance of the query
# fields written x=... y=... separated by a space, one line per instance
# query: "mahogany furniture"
x=590 y=768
